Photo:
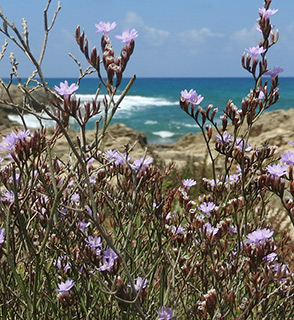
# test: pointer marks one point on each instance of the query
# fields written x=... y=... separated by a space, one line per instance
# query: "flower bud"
x=211 y=301
x=208 y=131
x=78 y=31
x=243 y=61
x=184 y=104
x=248 y=61
x=292 y=188
x=86 y=49
x=81 y=41
x=224 y=120
x=130 y=47
x=214 y=112
x=254 y=65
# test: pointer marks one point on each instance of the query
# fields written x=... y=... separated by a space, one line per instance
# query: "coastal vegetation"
x=98 y=234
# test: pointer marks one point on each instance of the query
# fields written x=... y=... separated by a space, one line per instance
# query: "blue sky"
x=188 y=38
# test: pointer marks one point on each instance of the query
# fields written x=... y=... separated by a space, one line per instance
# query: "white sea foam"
x=164 y=134
x=133 y=102
x=183 y=124
x=128 y=105
x=151 y=122
x=31 y=121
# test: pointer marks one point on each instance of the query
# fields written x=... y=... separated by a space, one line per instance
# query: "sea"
x=152 y=104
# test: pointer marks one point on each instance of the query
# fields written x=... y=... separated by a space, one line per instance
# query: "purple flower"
x=211 y=182
x=196 y=99
x=188 y=183
x=271 y=257
x=267 y=13
x=224 y=138
x=94 y=242
x=22 y=134
x=168 y=216
x=92 y=180
x=82 y=225
x=141 y=163
x=192 y=96
x=109 y=253
x=75 y=197
x=89 y=210
x=105 y=27
x=187 y=95
x=9 y=141
x=140 y=284
x=117 y=158
x=2 y=235
x=259 y=236
x=62 y=263
x=164 y=313
x=11 y=178
x=277 y=170
x=178 y=230
x=8 y=196
x=232 y=230
x=273 y=72
x=282 y=267
x=64 y=287
x=207 y=207
x=209 y=229
x=110 y=154
x=127 y=36
x=65 y=90
x=255 y=51
x=109 y=256
x=233 y=178
x=240 y=143
x=288 y=157
x=261 y=95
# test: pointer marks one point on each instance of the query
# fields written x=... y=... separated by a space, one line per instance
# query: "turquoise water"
x=152 y=103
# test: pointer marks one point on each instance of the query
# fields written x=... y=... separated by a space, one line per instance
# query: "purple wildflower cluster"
x=108 y=259
x=108 y=255
x=259 y=236
x=95 y=243
x=106 y=27
x=277 y=170
x=281 y=170
x=118 y=158
x=192 y=96
x=9 y=141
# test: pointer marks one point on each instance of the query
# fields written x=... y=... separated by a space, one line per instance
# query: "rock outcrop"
x=16 y=96
x=273 y=128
